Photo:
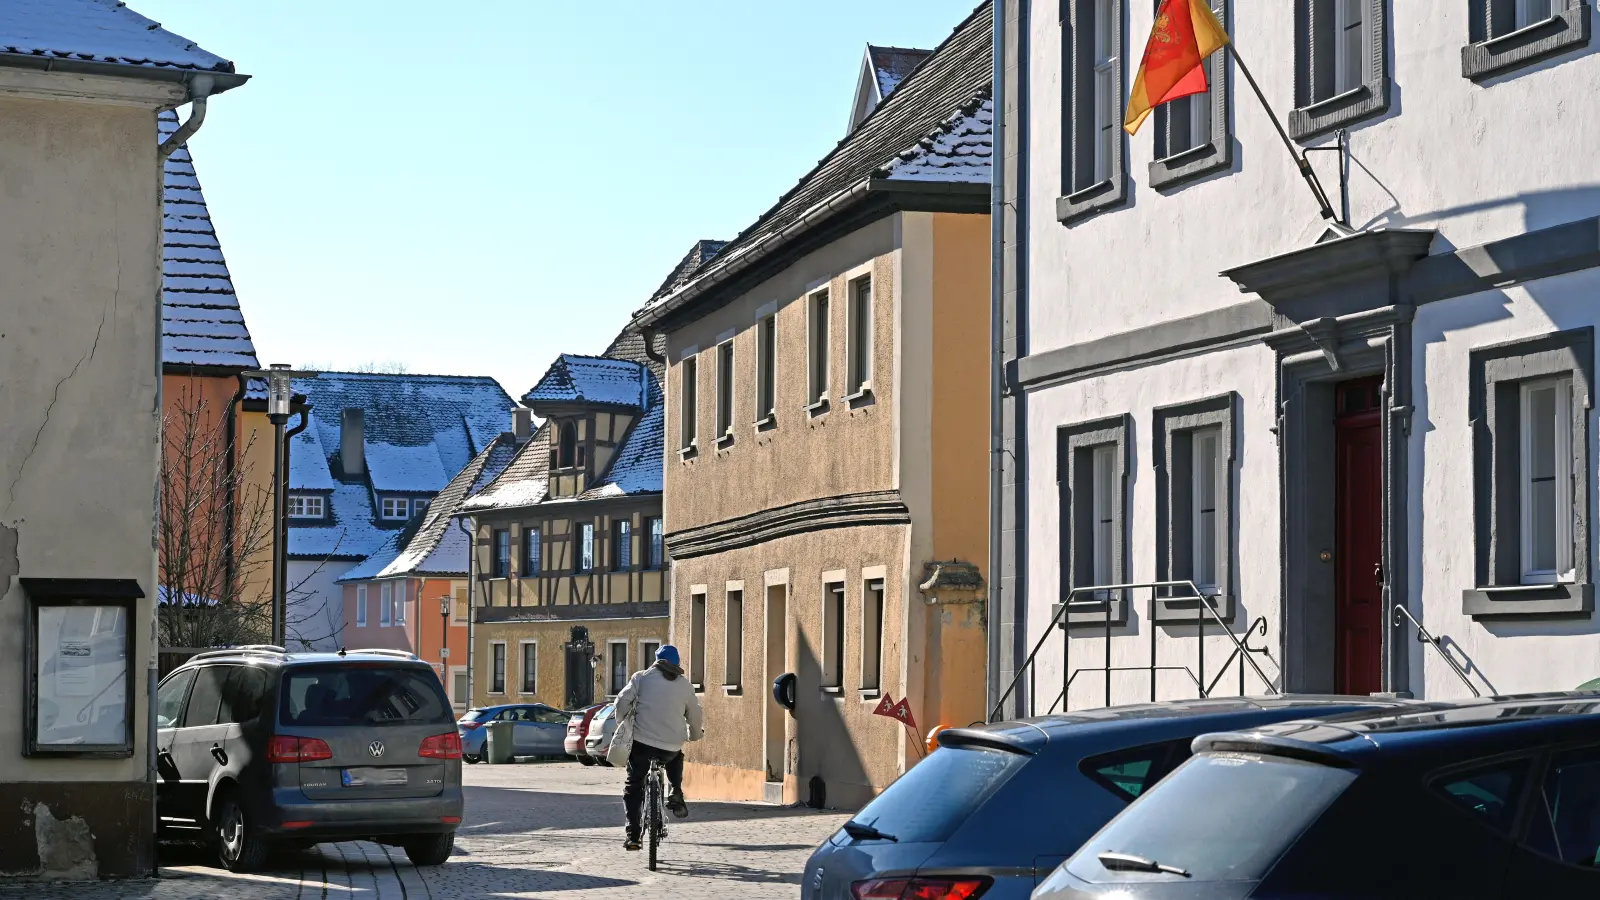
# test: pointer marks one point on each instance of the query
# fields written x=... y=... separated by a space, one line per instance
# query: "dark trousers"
x=639 y=766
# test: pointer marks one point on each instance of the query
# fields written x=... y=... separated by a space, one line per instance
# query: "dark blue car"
x=540 y=730
x=1497 y=798
x=997 y=807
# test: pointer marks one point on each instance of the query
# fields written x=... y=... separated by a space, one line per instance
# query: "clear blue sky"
x=474 y=187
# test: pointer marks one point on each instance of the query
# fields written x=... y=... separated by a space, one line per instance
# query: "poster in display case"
x=80 y=666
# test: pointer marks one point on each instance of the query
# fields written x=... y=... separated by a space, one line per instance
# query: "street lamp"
x=444 y=638
x=280 y=399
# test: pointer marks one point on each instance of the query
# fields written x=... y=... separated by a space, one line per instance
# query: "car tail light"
x=441 y=746
x=298 y=824
x=469 y=726
x=450 y=820
x=288 y=749
x=920 y=888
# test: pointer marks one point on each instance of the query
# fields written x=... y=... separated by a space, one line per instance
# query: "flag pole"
x=1299 y=158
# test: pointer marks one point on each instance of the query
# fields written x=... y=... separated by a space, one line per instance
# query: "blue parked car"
x=540 y=730
x=1496 y=798
x=997 y=807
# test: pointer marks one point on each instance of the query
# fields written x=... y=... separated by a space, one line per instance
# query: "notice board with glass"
x=80 y=666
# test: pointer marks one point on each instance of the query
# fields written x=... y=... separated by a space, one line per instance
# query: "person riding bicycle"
x=663 y=703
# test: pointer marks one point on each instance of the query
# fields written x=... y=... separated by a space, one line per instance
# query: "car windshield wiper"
x=1127 y=862
x=863 y=832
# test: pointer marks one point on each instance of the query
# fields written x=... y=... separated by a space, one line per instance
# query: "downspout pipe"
x=230 y=573
x=997 y=367
x=280 y=510
x=465 y=525
x=200 y=87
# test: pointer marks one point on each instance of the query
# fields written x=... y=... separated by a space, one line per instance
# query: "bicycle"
x=655 y=807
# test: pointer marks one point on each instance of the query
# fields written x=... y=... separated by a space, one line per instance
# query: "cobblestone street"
x=541 y=830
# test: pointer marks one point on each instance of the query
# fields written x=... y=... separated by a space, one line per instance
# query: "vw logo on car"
x=376 y=748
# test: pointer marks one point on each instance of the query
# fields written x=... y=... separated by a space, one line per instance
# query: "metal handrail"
x=1425 y=637
x=1064 y=609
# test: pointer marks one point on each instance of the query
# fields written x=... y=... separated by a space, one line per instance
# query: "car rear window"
x=367 y=695
x=1218 y=817
x=473 y=715
x=939 y=793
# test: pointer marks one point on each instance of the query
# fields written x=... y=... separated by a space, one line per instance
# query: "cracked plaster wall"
x=79 y=344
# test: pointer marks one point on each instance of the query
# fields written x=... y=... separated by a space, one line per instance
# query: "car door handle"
x=219 y=753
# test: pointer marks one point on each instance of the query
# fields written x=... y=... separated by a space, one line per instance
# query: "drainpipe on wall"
x=997 y=369
x=230 y=564
x=472 y=561
x=200 y=88
x=281 y=531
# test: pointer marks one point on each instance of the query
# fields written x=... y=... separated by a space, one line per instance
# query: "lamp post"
x=280 y=396
x=444 y=640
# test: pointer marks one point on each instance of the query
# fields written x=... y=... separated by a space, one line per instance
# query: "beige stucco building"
x=826 y=474
x=81 y=85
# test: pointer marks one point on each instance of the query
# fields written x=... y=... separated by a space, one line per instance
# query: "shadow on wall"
x=825 y=747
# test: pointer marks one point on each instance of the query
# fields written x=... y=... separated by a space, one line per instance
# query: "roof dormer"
x=882 y=70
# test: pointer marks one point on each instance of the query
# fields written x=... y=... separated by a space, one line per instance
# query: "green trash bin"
x=499 y=741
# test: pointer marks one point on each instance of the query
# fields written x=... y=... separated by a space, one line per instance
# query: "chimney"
x=353 y=441
x=522 y=424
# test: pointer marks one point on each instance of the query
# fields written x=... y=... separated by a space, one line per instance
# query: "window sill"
x=1190 y=165
x=1566 y=30
x=765 y=423
x=726 y=440
x=691 y=450
x=818 y=408
x=1092 y=200
x=733 y=690
x=870 y=693
x=1187 y=610
x=1519 y=600
x=699 y=688
x=1094 y=612
x=1340 y=110
x=832 y=691
x=860 y=397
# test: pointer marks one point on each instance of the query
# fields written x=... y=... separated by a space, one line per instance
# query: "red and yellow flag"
x=1185 y=33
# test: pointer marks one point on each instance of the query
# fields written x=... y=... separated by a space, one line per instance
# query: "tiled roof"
x=963 y=151
x=420 y=431
x=98 y=31
x=431 y=544
x=637 y=467
x=201 y=322
x=954 y=80
x=701 y=253
x=890 y=65
x=593 y=380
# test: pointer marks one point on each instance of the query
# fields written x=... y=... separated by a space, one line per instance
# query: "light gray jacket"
x=667 y=709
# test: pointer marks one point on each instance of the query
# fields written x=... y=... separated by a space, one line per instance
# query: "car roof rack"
x=384 y=651
x=246 y=650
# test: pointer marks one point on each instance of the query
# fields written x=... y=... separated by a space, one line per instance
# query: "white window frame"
x=818 y=349
x=1197 y=528
x=385 y=603
x=305 y=506
x=361 y=606
x=647 y=658
x=400 y=602
x=1106 y=90
x=457 y=698
x=835 y=610
x=766 y=394
x=614 y=685
x=733 y=636
x=858 y=338
x=872 y=632
x=522 y=667
x=622 y=544
x=1564 y=570
x=1344 y=80
x=584 y=556
x=689 y=402
x=726 y=360
x=396 y=509
x=505 y=668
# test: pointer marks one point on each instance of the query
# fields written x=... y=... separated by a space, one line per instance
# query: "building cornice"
x=500 y=615
x=868 y=508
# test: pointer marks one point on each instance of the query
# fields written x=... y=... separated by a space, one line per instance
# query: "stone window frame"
x=1171 y=425
x=1315 y=115
x=1496 y=374
x=689 y=402
x=1080 y=198
x=1169 y=170
x=1496 y=46
x=733 y=637
x=522 y=666
x=1074 y=443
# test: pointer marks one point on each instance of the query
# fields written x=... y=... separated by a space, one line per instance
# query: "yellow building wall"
x=550 y=637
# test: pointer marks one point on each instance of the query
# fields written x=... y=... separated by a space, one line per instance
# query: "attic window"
x=305 y=506
x=396 y=508
x=567 y=447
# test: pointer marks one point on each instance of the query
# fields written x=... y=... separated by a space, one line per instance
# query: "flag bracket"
x=1300 y=161
x=1340 y=146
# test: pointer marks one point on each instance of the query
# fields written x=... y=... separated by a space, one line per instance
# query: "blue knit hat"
x=669 y=654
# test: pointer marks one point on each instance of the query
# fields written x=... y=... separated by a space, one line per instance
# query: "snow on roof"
x=201 y=321
x=370 y=567
x=701 y=253
x=524 y=482
x=438 y=547
x=98 y=31
x=890 y=65
x=592 y=380
x=419 y=430
x=637 y=468
x=963 y=151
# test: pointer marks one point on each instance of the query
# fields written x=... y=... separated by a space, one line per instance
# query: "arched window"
x=567 y=448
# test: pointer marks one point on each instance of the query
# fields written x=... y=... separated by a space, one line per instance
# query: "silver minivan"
x=258 y=747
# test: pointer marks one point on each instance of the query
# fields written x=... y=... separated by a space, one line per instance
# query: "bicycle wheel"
x=653 y=815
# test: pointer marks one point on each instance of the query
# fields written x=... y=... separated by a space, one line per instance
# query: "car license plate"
x=374 y=777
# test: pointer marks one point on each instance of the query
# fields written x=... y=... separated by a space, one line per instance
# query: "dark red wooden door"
x=1358 y=552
